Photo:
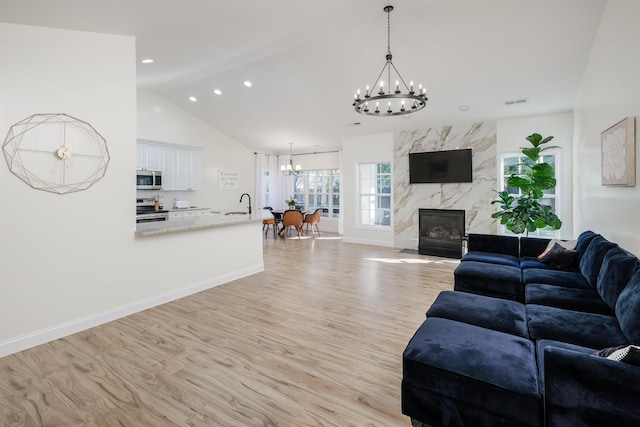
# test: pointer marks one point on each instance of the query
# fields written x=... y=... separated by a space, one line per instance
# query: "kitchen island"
x=215 y=220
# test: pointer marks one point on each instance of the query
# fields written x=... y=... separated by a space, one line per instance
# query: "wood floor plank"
x=314 y=340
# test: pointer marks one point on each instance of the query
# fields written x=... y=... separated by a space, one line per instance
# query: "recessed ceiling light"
x=217 y=92
x=463 y=108
x=193 y=99
x=247 y=83
x=147 y=61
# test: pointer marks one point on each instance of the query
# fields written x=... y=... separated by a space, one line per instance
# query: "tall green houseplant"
x=525 y=213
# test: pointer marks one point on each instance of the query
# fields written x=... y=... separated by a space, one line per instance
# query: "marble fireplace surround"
x=473 y=197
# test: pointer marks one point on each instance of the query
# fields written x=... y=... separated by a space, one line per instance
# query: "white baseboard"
x=24 y=342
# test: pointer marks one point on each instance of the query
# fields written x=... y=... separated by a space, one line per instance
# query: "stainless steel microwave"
x=148 y=180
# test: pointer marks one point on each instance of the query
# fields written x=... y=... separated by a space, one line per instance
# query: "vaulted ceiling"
x=307 y=58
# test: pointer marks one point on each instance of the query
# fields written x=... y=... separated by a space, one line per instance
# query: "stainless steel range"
x=146 y=211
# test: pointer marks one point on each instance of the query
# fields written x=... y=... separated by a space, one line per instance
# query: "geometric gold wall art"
x=619 y=153
x=57 y=153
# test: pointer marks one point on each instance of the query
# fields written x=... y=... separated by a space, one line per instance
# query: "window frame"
x=556 y=196
x=331 y=214
x=360 y=209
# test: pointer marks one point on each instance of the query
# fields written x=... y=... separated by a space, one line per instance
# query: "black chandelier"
x=392 y=102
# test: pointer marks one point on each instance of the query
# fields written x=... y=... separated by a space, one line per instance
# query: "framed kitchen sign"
x=228 y=180
x=619 y=153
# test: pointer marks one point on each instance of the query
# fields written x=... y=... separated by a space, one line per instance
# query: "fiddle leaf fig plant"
x=525 y=213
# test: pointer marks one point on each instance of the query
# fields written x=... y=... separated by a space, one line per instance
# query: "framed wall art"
x=228 y=180
x=619 y=153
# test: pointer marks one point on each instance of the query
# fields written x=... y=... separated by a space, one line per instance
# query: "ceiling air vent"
x=516 y=101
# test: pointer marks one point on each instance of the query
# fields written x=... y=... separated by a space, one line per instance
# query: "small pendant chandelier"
x=290 y=169
x=403 y=100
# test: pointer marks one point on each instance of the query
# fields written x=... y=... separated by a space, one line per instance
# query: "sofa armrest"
x=494 y=243
x=582 y=389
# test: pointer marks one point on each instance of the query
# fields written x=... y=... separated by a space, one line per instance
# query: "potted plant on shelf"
x=291 y=202
x=524 y=212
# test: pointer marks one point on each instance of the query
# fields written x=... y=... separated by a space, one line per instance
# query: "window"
x=511 y=164
x=374 y=198
x=319 y=188
x=266 y=187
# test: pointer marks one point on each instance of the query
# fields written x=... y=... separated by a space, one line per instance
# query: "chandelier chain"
x=389 y=31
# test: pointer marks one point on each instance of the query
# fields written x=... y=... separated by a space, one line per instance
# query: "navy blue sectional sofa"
x=518 y=342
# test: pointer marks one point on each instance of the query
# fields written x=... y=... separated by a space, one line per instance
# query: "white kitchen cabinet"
x=187 y=169
x=168 y=168
x=188 y=214
x=149 y=157
x=181 y=163
x=139 y=156
x=173 y=216
x=194 y=169
x=180 y=166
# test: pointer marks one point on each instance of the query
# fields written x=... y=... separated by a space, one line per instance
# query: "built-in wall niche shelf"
x=180 y=165
x=56 y=153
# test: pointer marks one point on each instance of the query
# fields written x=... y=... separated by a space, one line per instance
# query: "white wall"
x=160 y=120
x=511 y=136
x=609 y=93
x=364 y=149
x=69 y=262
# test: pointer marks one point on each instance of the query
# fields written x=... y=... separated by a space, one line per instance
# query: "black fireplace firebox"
x=442 y=232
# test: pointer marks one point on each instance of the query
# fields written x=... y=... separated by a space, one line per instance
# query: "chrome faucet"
x=246 y=194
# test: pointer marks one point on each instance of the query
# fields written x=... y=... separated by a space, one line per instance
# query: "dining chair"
x=269 y=222
x=291 y=218
x=313 y=219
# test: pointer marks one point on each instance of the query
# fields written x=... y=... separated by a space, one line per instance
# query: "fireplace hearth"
x=442 y=232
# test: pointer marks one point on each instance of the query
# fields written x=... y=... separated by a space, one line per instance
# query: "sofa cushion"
x=617 y=268
x=575 y=327
x=559 y=257
x=492 y=257
x=493 y=313
x=583 y=242
x=497 y=280
x=582 y=389
x=542 y=344
x=628 y=309
x=534 y=262
x=591 y=260
x=570 y=279
x=531 y=247
x=508 y=245
x=449 y=367
x=586 y=300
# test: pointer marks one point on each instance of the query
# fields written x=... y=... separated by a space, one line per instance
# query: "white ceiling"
x=306 y=59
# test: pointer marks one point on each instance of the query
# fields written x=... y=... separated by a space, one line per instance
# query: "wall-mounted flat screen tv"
x=441 y=166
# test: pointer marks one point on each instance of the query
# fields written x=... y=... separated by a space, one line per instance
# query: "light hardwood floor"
x=314 y=340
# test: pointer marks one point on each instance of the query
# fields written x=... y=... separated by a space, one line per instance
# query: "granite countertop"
x=191 y=208
x=198 y=223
